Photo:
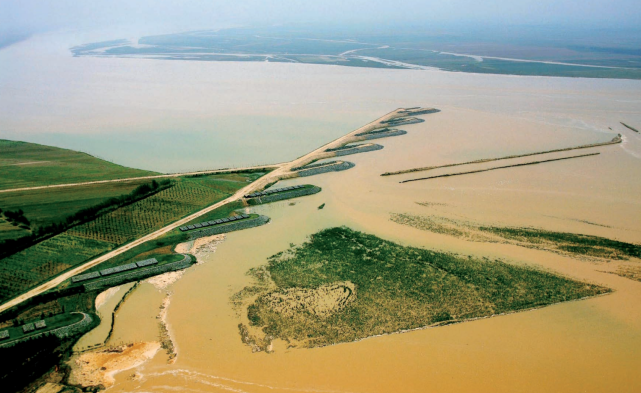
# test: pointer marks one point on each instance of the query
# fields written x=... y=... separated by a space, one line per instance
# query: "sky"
x=152 y=16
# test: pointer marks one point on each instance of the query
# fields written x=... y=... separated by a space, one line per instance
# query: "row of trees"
x=12 y=246
x=16 y=217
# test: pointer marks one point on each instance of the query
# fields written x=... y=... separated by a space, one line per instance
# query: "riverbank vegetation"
x=573 y=244
x=343 y=285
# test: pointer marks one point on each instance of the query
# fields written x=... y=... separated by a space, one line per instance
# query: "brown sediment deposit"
x=201 y=246
x=100 y=367
x=615 y=140
x=499 y=167
x=164 y=280
x=105 y=295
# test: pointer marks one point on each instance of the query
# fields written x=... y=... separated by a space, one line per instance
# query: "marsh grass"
x=396 y=288
x=567 y=243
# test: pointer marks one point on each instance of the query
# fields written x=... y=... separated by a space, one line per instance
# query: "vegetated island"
x=343 y=285
x=573 y=244
x=402 y=51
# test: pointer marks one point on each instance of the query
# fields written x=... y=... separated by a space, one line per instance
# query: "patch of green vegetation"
x=396 y=288
x=11 y=246
x=631 y=272
x=31 y=165
x=44 y=207
x=140 y=218
x=53 y=322
x=570 y=242
x=396 y=51
x=27 y=268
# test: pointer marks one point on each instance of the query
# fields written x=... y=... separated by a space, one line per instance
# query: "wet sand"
x=588 y=345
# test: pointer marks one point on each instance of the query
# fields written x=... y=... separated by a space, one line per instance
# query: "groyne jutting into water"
x=402 y=121
x=280 y=194
x=224 y=225
x=419 y=111
x=315 y=169
x=500 y=167
x=614 y=141
x=132 y=272
x=354 y=149
x=380 y=133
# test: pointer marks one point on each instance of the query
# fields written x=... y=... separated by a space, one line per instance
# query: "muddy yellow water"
x=106 y=302
x=583 y=346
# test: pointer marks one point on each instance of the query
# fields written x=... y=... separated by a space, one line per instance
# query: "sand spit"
x=165 y=335
x=201 y=247
x=162 y=281
x=106 y=295
x=99 y=368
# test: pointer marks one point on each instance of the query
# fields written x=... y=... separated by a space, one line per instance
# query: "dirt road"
x=169 y=175
x=282 y=171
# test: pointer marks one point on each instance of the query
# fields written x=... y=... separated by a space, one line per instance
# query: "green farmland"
x=30 y=165
x=44 y=207
x=50 y=257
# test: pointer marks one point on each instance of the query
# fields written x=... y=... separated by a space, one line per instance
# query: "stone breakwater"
x=347 y=150
x=403 y=121
x=334 y=166
x=365 y=136
x=234 y=226
x=419 y=111
x=284 y=195
x=62 y=332
x=139 y=274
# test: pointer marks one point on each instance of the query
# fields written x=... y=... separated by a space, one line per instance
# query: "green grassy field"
x=28 y=165
x=382 y=287
x=29 y=267
x=52 y=322
x=49 y=206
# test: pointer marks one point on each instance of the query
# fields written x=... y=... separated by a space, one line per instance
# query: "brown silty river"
x=584 y=346
x=590 y=345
